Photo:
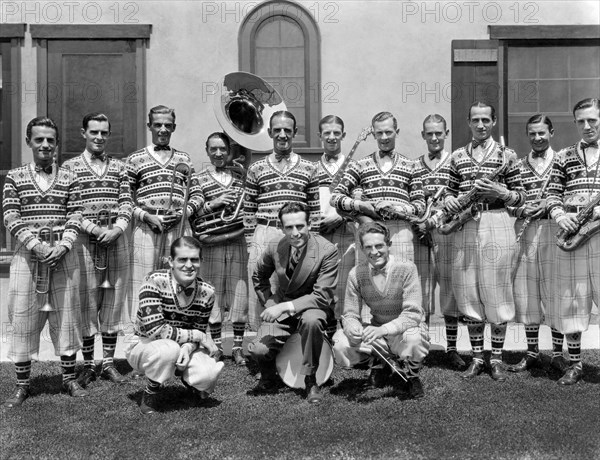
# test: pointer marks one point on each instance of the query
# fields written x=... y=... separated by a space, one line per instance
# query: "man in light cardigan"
x=390 y=288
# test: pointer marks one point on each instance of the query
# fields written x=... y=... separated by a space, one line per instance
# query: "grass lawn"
x=527 y=417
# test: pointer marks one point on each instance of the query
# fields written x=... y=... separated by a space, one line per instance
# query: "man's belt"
x=489 y=206
x=269 y=223
x=575 y=209
x=158 y=212
x=57 y=232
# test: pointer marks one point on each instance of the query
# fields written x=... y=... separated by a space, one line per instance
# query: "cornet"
x=101 y=254
x=42 y=271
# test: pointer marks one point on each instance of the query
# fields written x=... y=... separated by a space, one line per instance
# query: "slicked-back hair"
x=219 y=135
x=482 y=105
x=374 y=227
x=42 y=121
x=435 y=118
x=293 y=207
x=162 y=109
x=185 y=241
x=331 y=119
x=382 y=116
x=586 y=104
x=282 y=114
x=95 y=116
x=539 y=118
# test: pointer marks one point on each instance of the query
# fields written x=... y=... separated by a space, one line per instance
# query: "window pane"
x=268 y=33
x=292 y=62
x=293 y=92
x=553 y=62
x=582 y=89
x=268 y=61
x=291 y=33
x=521 y=63
x=554 y=96
x=585 y=63
x=523 y=96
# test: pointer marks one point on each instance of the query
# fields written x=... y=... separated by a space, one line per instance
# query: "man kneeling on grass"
x=397 y=330
x=173 y=312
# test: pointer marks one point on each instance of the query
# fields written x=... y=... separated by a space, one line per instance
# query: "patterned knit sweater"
x=162 y=316
x=150 y=182
x=464 y=171
x=532 y=181
x=572 y=184
x=398 y=185
x=107 y=192
x=268 y=189
x=397 y=309
x=210 y=188
x=27 y=208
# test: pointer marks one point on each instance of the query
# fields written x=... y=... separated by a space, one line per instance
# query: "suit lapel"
x=283 y=255
x=305 y=265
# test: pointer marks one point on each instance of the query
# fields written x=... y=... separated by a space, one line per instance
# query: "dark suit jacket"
x=314 y=280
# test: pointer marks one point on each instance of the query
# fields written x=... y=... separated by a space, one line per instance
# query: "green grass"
x=527 y=417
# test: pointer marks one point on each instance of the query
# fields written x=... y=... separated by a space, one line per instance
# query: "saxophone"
x=586 y=228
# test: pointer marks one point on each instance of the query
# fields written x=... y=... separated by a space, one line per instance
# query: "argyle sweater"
x=396 y=310
x=572 y=184
x=324 y=175
x=162 y=316
x=107 y=192
x=26 y=207
x=532 y=182
x=464 y=171
x=267 y=190
x=150 y=182
x=432 y=179
x=210 y=188
x=398 y=185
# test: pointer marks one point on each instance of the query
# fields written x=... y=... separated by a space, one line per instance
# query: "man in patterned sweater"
x=104 y=194
x=537 y=251
x=279 y=178
x=575 y=183
x=42 y=195
x=482 y=261
x=434 y=263
x=151 y=172
x=390 y=288
x=388 y=183
x=171 y=326
x=334 y=227
x=224 y=265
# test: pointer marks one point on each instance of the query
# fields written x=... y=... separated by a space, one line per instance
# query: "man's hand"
x=534 y=209
x=54 y=256
x=210 y=346
x=41 y=251
x=223 y=200
x=330 y=223
x=371 y=333
x=452 y=204
x=367 y=209
x=171 y=220
x=271 y=314
x=108 y=237
x=354 y=334
x=490 y=189
x=569 y=223
x=154 y=222
x=184 y=357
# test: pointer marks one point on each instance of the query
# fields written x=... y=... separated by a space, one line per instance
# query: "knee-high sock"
x=238 y=334
x=557 y=343
x=109 y=344
x=574 y=346
x=476 y=329
x=23 y=371
x=88 y=351
x=498 y=335
x=451 y=332
x=68 y=367
x=215 y=333
x=532 y=335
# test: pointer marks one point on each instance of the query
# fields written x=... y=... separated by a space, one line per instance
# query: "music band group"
x=359 y=244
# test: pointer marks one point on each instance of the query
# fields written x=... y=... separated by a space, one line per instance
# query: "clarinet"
x=527 y=220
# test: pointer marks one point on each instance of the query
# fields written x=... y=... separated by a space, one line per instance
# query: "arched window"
x=279 y=41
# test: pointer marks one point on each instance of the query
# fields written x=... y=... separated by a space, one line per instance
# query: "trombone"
x=42 y=271
x=101 y=254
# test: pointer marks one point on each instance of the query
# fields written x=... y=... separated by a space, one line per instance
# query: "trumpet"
x=43 y=272
x=103 y=219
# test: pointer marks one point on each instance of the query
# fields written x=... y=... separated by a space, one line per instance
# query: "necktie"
x=294 y=258
x=535 y=154
x=188 y=291
x=161 y=147
x=282 y=156
x=433 y=156
x=47 y=169
x=476 y=143
x=585 y=145
x=379 y=271
x=389 y=153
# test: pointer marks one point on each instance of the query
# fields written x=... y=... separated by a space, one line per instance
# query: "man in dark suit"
x=306 y=266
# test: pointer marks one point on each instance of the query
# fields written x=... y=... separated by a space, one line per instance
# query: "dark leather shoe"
x=112 y=374
x=455 y=361
x=87 y=376
x=20 y=394
x=415 y=388
x=474 y=369
x=265 y=386
x=313 y=391
x=573 y=375
x=238 y=356
x=528 y=362
x=378 y=377
x=74 y=389
x=148 y=404
x=497 y=371
x=560 y=364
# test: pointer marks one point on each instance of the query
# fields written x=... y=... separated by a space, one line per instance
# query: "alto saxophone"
x=586 y=228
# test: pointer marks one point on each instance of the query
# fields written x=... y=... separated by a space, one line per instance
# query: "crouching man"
x=397 y=329
x=174 y=307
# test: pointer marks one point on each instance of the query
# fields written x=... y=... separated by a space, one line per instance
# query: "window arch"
x=279 y=41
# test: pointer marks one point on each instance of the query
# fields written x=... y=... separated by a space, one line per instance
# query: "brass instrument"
x=43 y=272
x=425 y=237
x=568 y=241
x=101 y=254
x=243 y=108
x=186 y=170
x=468 y=202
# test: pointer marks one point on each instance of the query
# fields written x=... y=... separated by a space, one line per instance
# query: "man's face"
x=434 y=134
x=539 y=136
x=385 y=134
x=282 y=132
x=43 y=144
x=217 y=152
x=295 y=228
x=162 y=127
x=588 y=124
x=331 y=136
x=481 y=123
x=375 y=249
x=96 y=135
x=185 y=265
